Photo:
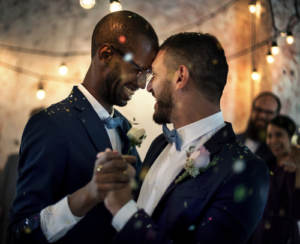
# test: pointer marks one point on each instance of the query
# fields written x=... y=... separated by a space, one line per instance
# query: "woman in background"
x=279 y=223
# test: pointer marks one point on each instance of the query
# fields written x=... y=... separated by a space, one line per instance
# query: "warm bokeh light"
x=63 y=69
x=270 y=58
x=115 y=6
x=255 y=75
x=274 y=48
x=289 y=38
x=252 y=7
x=40 y=93
x=87 y=4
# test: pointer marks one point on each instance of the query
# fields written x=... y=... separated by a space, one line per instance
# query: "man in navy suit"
x=202 y=186
x=60 y=190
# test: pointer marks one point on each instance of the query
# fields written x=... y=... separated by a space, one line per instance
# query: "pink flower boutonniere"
x=197 y=161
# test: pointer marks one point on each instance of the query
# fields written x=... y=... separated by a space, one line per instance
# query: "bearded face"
x=164 y=104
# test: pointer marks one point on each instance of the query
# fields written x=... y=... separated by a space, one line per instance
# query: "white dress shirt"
x=251 y=144
x=167 y=166
x=57 y=219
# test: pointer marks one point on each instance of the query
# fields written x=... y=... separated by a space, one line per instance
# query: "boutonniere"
x=135 y=136
x=197 y=161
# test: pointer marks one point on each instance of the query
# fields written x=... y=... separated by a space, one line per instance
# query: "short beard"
x=165 y=106
x=255 y=133
x=163 y=113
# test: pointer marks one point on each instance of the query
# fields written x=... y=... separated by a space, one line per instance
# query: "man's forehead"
x=159 y=58
x=266 y=100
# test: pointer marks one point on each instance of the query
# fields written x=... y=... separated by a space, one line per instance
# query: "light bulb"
x=283 y=34
x=87 y=4
x=63 y=69
x=115 y=5
x=252 y=6
x=274 y=48
x=289 y=38
x=270 y=57
x=255 y=75
x=40 y=93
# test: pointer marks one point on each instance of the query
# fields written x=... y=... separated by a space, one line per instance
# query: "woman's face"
x=278 y=140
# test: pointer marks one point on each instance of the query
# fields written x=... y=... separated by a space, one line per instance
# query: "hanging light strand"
x=33 y=74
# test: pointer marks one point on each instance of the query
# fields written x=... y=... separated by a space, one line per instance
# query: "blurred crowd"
x=269 y=135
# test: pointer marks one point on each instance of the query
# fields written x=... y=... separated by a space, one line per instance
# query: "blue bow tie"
x=172 y=136
x=112 y=123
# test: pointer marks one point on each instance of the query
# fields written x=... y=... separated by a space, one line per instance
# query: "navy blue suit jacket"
x=262 y=151
x=57 y=157
x=220 y=205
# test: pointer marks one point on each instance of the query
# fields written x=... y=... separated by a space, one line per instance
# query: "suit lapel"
x=213 y=145
x=123 y=132
x=90 y=120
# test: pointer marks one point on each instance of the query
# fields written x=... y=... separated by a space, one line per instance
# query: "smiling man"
x=202 y=185
x=60 y=190
x=265 y=107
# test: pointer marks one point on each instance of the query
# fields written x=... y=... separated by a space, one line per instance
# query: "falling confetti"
x=238 y=166
x=185 y=204
x=127 y=57
x=239 y=193
x=122 y=39
x=192 y=228
x=138 y=224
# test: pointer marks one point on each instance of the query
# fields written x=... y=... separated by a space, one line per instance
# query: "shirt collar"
x=199 y=128
x=99 y=109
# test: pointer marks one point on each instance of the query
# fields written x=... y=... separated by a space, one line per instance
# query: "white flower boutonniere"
x=197 y=161
x=135 y=136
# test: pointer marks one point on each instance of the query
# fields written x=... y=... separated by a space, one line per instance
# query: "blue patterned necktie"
x=172 y=136
x=113 y=123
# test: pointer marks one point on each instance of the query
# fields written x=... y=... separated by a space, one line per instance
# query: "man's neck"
x=92 y=90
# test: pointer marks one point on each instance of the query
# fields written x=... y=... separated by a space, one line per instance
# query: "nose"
x=149 y=86
x=141 y=83
x=270 y=140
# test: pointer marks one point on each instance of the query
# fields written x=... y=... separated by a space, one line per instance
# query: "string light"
x=270 y=57
x=87 y=4
x=283 y=34
x=252 y=6
x=63 y=69
x=255 y=75
x=40 y=93
x=274 y=48
x=289 y=38
x=115 y=5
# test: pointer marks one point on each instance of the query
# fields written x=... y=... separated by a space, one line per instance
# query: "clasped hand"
x=111 y=181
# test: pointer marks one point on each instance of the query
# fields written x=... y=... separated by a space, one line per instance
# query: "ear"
x=183 y=76
x=104 y=53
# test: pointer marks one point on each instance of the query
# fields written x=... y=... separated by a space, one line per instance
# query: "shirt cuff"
x=124 y=214
x=57 y=220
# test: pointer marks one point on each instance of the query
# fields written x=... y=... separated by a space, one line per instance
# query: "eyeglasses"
x=144 y=75
x=260 y=110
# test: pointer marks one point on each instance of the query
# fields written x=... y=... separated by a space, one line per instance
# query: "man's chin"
x=160 y=119
x=121 y=103
x=261 y=125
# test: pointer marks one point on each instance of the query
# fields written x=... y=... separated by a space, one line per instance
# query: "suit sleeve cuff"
x=124 y=214
x=57 y=220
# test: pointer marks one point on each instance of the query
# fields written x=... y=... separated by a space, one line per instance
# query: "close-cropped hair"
x=125 y=24
x=270 y=94
x=285 y=123
x=204 y=57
